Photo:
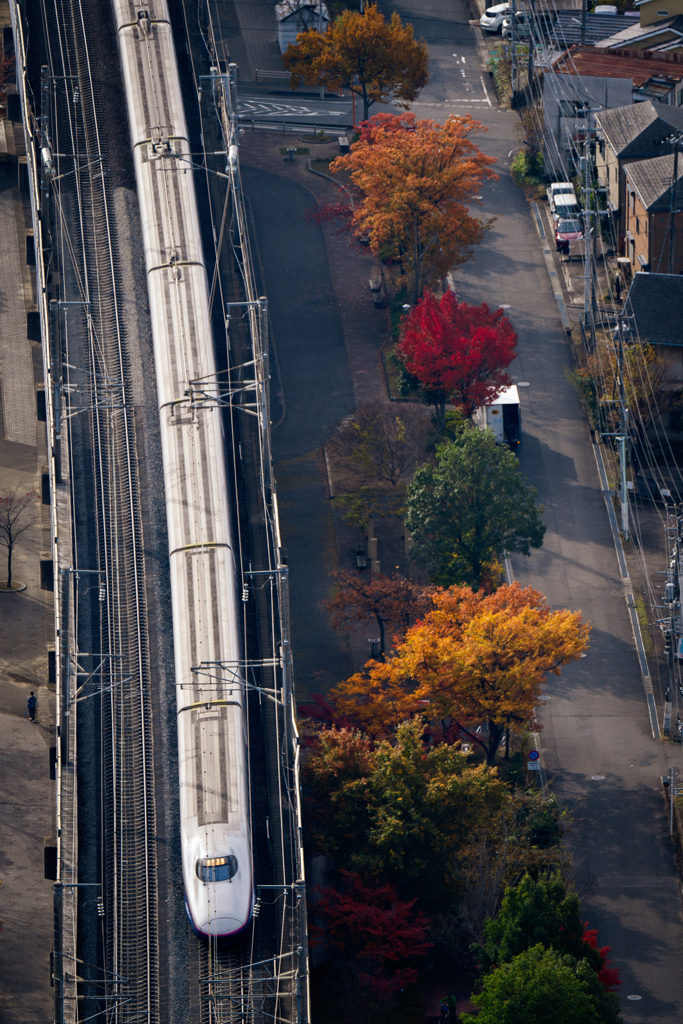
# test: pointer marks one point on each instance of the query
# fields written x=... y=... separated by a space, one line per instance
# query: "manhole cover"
x=523 y=384
x=598 y=778
x=634 y=999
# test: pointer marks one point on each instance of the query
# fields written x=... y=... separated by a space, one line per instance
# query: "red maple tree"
x=609 y=976
x=372 y=926
x=456 y=351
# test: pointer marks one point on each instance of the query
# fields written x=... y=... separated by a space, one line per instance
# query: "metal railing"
x=285 y=127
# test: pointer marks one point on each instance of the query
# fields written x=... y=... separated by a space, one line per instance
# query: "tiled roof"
x=655 y=300
x=636 y=129
x=652 y=181
x=567 y=29
x=588 y=60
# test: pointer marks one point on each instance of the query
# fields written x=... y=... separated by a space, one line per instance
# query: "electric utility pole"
x=622 y=436
x=674 y=140
x=513 y=44
x=584 y=15
x=674 y=206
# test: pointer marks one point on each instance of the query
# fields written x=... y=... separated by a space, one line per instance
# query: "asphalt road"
x=282 y=105
x=595 y=722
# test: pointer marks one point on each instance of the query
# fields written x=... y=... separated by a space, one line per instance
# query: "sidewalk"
x=27 y=822
x=326 y=337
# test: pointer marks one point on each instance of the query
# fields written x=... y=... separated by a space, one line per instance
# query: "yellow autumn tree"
x=417 y=180
x=645 y=378
x=377 y=60
x=476 y=659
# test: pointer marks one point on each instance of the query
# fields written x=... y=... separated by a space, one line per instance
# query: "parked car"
x=558 y=188
x=523 y=23
x=493 y=18
x=566 y=231
x=565 y=207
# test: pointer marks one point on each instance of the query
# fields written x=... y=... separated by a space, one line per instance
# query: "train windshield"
x=217 y=869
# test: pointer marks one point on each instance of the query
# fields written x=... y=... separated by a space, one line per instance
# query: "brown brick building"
x=649 y=217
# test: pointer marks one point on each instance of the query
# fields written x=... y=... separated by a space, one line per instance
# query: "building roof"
x=655 y=301
x=304 y=10
x=635 y=130
x=567 y=28
x=652 y=180
x=637 y=33
x=638 y=65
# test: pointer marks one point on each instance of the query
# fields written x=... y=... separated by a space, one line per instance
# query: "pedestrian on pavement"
x=31 y=705
x=452 y=1004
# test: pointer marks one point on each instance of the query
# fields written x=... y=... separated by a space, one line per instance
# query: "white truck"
x=503 y=416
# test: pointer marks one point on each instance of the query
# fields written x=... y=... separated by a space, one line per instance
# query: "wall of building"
x=588 y=90
x=652 y=11
x=647 y=237
x=607 y=166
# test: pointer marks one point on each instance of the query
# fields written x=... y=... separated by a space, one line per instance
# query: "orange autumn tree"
x=418 y=179
x=389 y=600
x=475 y=659
x=375 y=59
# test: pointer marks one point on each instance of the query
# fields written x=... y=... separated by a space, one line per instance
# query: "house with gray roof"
x=627 y=134
x=569 y=29
x=652 y=211
x=652 y=314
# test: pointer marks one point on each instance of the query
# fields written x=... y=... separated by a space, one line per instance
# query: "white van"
x=503 y=416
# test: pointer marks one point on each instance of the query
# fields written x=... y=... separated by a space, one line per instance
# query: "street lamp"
x=374 y=642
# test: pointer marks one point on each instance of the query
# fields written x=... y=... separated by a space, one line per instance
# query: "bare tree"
x=16 y=516
x=382 y=442
x=391 y=599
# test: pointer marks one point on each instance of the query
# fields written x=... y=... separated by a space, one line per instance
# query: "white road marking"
x=483 y=85
x=246 y=107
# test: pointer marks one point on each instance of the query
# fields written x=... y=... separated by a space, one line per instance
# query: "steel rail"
x=287 y=987
x=128 y=798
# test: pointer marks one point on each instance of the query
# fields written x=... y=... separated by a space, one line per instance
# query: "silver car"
x=493 y=18
x=522 y=25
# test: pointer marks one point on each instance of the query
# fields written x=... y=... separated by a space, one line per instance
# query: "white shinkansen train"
x=212 y=734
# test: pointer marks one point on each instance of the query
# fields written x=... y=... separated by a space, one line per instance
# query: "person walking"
x=31 y=705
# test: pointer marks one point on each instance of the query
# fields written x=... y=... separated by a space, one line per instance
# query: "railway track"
x=96 y=373
x=269 y=981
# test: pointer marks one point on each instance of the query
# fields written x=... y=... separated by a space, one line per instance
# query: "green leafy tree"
x=470 y=506
x=536 y=911
x=375 y=59
x=541 y=986
x=396 y=811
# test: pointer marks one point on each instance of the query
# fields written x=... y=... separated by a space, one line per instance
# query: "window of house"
x=680 y=98
x=633 y=202
x=608 y=173
x=637 y=225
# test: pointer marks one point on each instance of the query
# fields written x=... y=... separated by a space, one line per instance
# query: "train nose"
x=221 y=926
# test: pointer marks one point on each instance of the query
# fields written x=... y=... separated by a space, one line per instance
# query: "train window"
x=217 y=869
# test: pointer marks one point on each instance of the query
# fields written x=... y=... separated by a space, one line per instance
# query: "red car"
x=567 y=231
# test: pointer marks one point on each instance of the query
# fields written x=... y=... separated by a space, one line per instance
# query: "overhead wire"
x=654 y=412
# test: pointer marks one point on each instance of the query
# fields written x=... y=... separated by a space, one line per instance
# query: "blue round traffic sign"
x=534 y=755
